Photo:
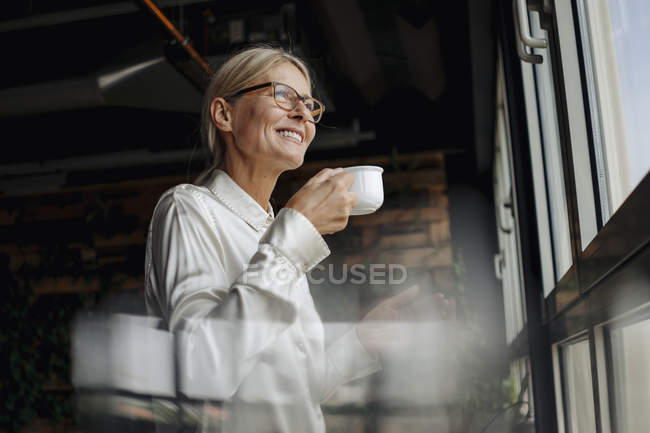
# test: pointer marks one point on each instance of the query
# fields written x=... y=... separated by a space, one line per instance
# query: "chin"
x=298 y=163
x=294 y=162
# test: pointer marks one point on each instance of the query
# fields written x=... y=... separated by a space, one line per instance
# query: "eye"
x=284 y=93
x=311 y=104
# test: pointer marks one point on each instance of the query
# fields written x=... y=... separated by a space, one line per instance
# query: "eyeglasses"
x=288 y=98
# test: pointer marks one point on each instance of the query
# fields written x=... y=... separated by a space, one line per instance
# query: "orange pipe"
x=179 y=37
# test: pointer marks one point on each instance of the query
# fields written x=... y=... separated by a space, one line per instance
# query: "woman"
x=230 y=276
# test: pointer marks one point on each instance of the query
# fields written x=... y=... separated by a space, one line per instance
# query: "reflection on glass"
x=520 y=371
x=131 y=375
x=630 y=347
x=552 y=156
x=578 y=390
x=614 y=36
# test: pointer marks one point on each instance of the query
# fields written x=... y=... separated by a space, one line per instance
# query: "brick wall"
x=92 y=239
x=103 y=227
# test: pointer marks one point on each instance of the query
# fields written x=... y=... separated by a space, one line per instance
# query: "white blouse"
x=230 y=280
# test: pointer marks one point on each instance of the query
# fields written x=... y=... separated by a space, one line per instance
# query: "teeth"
x=295 y=135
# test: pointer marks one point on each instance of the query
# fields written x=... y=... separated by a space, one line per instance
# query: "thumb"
x=405 y=297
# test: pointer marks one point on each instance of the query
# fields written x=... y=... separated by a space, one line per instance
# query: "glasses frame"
x=316 y=114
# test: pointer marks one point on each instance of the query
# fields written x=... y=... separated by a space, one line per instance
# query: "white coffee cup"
x=369 y=187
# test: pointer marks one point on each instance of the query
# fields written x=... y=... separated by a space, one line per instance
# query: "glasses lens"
x=288 y=98
x=285 y=96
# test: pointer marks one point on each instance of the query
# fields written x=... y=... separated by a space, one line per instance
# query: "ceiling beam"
x=344 y=26
x=84 y=14
x=422 y=48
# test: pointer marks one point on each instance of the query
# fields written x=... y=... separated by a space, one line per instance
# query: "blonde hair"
x=244 y=69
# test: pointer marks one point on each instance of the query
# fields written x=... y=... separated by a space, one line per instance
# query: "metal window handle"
x=521 y=50
x=508 y=202
x=503 y=227
x=524 y=28
x=498 y=265
x=505 y=204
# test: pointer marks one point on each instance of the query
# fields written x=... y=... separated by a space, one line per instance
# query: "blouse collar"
x=239 y=201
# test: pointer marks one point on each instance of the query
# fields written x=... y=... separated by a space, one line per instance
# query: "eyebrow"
x=250 y=89
x=267 y=84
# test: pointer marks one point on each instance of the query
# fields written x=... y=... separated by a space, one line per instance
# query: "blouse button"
x=301 y=346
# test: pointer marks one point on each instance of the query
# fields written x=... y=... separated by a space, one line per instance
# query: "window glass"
x=577 y=388
x=577 y=123
x=630 y=374
x=544 y=138
x=539 y=180
x=615 y=35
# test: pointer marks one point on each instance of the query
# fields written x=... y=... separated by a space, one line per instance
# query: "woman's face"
x=259 y=125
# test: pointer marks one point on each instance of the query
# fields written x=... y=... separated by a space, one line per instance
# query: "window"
x=577 y=126
x=547 y=170
x=615 y=36
x=586 y=99
x=576 y=387
x=628 y=353
x=546 y=102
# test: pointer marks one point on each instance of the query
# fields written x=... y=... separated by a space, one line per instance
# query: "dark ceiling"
x=95 y=84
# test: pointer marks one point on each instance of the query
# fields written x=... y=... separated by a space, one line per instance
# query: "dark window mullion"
x=594 y=377
x=611 y=386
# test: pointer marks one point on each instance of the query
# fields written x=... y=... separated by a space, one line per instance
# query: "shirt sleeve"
x=347 y=360
x=223 y=328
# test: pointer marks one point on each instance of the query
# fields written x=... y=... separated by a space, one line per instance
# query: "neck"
x=253 y=177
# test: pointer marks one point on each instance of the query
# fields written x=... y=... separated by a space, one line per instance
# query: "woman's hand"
x=325 y=200
x=391 y=325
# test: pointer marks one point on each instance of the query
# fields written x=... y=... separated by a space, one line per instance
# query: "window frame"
x=533 y=339
x=607 y=358
x=505 y=201
x=562 y=379
x=601 y=283
x=622 y=233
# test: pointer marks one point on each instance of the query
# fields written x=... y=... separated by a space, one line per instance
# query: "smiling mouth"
x=290 y=134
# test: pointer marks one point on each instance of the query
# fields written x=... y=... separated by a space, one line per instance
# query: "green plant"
x=35 y=329
x=35 y=339
x=18 y=357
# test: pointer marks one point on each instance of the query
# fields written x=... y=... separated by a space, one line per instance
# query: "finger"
x=323 y=175
x=405 y=297
x=441 y=300
x=354 y=198
x=343 y=178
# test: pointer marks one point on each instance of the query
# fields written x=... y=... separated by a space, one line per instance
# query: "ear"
x=221 y=114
